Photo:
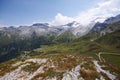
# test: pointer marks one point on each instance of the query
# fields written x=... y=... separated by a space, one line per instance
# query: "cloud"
x=102 y=10
x=60 y=19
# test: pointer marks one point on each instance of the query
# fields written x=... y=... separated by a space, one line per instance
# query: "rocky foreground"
x=58 y=67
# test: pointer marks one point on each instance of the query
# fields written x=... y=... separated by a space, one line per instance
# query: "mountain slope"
x=67 y=36
x=101 y=29
x=110 y=39
x=94 y=56
x=58 y=67
x=112 y=19
x=23 y=38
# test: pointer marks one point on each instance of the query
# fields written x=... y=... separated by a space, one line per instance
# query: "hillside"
x=42 y=52
x=24 y=38
x=111 y=39
x=59 y=39
x=75 y=60
x=83 y=46
x=58 y=67
x=67 y=36
x=101 y=29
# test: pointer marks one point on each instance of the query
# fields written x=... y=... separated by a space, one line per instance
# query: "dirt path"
x=102 y=59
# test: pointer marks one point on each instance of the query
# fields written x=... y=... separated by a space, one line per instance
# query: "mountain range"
x=16 y=39
x=66 y=52
x=44 y=29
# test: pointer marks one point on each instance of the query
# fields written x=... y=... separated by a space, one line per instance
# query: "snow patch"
x=17 y=74
x=99 y=69
x=17 y=64
x=73 y=74
x=39 y=61
x=39 y=70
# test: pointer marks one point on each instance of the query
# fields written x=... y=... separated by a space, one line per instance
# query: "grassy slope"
x=112 y=39
x=67 y=36
x=62 y=63
x=83 y=46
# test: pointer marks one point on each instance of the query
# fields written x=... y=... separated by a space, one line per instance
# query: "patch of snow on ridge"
x=17 y=74
x=101 y=78
x=39 y=61
x=35 y=60
x=17 y=64
x=73 y=74
x=99 y=69
x=39 y=70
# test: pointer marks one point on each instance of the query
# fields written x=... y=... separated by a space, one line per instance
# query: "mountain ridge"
x=39 y=34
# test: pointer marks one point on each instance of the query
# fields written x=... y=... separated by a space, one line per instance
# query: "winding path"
x=102 y=59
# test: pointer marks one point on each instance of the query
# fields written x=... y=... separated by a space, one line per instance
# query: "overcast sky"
x=56 y=12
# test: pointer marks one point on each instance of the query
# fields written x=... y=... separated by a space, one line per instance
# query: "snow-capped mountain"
x=112 y=19
x=77 y=29
x=110 y=25
x=98 y=27
x=44 y=29
x=40 y=29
